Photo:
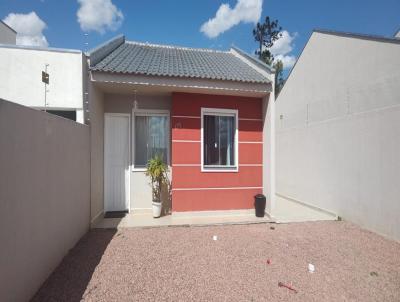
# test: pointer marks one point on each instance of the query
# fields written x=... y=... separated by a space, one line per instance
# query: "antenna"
x=86 y=41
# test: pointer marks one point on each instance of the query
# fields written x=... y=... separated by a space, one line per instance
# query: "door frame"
x=129 y=156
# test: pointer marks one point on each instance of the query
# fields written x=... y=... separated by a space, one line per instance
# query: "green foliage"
x=266 y=34
x=279 y=80
x=157 y=171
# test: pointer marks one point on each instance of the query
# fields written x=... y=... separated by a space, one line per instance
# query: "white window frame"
x=220 y=112
x=149 y=112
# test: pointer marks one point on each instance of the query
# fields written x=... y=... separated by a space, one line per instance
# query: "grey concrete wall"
x=338 y=131
x=44 y=195
x=120 y=103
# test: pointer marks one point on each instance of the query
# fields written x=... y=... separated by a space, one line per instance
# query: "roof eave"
x=182 y=82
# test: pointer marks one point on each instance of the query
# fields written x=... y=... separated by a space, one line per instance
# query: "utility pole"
x=45 y=80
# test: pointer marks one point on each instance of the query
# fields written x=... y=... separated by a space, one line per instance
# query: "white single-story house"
x=338 y=129
x=209 y=113
x=44 y=78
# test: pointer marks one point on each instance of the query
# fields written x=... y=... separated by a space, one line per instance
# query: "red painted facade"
x=194 y=190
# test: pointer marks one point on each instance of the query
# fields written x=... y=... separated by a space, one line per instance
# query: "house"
x=337 y=129
x=7 y=34
x=208 y=113
x=23 y=80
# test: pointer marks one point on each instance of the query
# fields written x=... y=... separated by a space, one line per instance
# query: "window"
x=151 y=137
x=219 y=138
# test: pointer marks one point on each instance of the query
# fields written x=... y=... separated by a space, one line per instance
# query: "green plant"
x=157 y=171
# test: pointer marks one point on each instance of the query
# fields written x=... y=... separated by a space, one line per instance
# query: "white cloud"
x=29 y=28
x=282 y=48
x=247 y=11
x=287 y=60
x=98 y=15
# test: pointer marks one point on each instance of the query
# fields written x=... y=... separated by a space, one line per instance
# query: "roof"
x=8 y=26
x=254 y=59
x=173 y=61
x=359 y=36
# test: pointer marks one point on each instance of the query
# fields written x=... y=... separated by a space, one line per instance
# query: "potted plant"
x=157 y=170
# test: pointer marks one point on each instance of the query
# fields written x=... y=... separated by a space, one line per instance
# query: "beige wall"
x=338 y=130
x=96 y=121
x=119 y=103
x=44 y=195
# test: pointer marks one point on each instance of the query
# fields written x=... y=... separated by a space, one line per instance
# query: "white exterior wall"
x=7 y=35
x=21 y=77
x=338 y=131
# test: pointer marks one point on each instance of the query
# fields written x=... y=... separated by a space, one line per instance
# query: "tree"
x=279 y=80
x=266 y=34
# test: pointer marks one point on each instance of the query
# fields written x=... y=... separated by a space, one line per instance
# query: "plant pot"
x=156 y=209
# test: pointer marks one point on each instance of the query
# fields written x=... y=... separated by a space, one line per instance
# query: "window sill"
x=138 y=169
x=221 y=170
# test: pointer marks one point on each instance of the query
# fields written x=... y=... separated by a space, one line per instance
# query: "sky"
x=84 y=24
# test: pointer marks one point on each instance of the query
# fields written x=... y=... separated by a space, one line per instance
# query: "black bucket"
x=259 y=204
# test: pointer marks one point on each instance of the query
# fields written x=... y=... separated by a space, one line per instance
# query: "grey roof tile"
x=159 y=60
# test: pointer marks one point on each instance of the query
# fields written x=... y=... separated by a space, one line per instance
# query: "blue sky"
x=178 y=22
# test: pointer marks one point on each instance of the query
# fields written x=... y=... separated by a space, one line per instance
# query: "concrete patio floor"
x=186 y=264
x=286 y=211
x=145 y=219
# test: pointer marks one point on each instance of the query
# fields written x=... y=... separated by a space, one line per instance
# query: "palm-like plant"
x=157 y=170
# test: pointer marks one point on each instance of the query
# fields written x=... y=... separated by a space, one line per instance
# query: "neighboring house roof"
x=9 y=27
x=161 y=60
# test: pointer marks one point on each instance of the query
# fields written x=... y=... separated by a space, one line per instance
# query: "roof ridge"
x=176 y=47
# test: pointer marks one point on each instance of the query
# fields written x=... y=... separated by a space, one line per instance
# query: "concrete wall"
x=120 y=103
x=21 y=77
x=44 y=195
x=338 y=130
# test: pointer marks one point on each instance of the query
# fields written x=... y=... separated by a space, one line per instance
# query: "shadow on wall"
x=71 y=278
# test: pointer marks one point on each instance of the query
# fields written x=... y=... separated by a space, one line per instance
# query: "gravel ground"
x=186 y=264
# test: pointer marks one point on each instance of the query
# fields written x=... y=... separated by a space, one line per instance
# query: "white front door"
x=116 y=162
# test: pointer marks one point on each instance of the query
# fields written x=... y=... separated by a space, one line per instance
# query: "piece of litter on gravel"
x=269 y=261
x=375 y=274
x=311 y=268
x=215 y=237
x=272 y=228
x=281 y=284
